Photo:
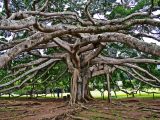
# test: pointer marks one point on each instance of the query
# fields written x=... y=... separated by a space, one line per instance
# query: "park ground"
x=142 y=107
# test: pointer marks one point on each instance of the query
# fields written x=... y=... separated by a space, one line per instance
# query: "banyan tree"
x=92 y=38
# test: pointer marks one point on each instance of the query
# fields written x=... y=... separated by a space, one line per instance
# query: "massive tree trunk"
x=79 y=82
x=79 y=87
x=75 y=84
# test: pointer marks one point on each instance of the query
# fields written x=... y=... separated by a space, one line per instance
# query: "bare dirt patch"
x=52 y=108
x=31 y=109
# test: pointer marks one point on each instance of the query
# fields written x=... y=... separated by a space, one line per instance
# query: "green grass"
x=13 y=115
x=97 y=94
x=121 y=95
x=119 y=118
x=3 y=108
x=95 y=117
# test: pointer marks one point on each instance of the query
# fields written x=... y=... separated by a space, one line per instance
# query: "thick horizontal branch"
x=119 y=20
x=125 y=39
x=113 y=61
x=113 y=37
x=106 y=28
x=11 y=44
x=57 y=17
x=18 y=16
x=56 y=56
x=86 y=48
x=17 y=24
x=85 y=23
x=101 y=70
x=30 y=63
x=44 y=46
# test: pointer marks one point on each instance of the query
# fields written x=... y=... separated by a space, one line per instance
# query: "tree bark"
x=76 y=87
x=108 y=83
x=79 y=88
x=87 y=94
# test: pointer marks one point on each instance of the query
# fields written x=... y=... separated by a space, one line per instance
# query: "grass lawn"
x=97 y=94
x=120 y=94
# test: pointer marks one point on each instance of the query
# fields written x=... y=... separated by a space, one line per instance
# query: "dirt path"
x=48 y=109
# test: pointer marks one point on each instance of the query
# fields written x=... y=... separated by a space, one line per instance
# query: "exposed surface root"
x=151 y=109
x=62 y=105
x=57 y=110
x=77 y=105
x=77 y=118
x=118 y=103
x=62 y=115
x=86 y=101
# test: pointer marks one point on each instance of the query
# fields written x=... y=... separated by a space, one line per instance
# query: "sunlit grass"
x=97 y=94
x=122 y=96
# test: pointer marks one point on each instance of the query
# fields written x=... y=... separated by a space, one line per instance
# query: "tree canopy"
x=72 y=41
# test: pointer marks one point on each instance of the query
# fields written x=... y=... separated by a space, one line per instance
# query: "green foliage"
x=26 y=1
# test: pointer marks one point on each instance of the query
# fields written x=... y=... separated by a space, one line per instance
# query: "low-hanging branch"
x=130 y=93
x=19 y=86
x=34 y=82
x=28 y=72
x=142 y=80
x=14 y=74
x=140 y=69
